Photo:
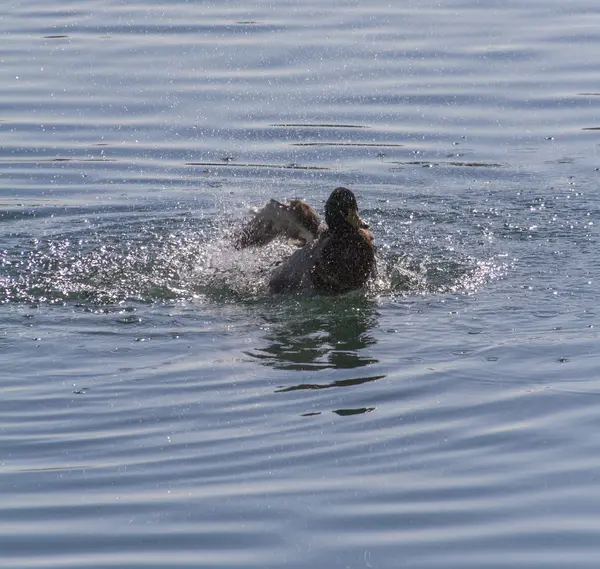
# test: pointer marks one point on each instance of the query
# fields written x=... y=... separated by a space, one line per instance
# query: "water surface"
x=161 y=408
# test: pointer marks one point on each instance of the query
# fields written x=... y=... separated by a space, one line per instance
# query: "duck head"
x=341 y=211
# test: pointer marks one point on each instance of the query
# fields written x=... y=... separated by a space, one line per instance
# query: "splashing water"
x=165 y=262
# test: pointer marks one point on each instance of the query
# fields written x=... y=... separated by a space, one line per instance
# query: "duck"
x=334 y=257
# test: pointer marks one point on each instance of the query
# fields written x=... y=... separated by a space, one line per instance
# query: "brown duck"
x=334 y=258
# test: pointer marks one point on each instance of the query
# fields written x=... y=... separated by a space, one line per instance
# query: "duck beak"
x=355 y=221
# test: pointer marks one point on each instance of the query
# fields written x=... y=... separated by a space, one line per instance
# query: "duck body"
x=344 y=261
x=335 y=258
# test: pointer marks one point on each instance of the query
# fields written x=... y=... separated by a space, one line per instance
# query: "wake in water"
x=157 y=262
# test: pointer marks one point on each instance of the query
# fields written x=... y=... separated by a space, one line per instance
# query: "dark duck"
x=334 y=258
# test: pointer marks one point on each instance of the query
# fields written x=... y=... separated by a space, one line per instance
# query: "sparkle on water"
x=180 y=259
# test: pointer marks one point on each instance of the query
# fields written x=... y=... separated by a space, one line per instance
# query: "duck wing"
x=296 y=221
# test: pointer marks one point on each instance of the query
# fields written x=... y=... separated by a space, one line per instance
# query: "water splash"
x=165 y=260
x=447 y=272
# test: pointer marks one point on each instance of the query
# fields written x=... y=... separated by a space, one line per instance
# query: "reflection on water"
x=320 y=333
x=339 y=383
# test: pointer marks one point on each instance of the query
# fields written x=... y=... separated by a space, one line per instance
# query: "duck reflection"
x=319 y=333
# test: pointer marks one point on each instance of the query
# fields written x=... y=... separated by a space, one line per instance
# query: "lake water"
x=161 y=409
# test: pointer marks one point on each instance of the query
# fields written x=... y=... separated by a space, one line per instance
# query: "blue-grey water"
x=159 y=408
